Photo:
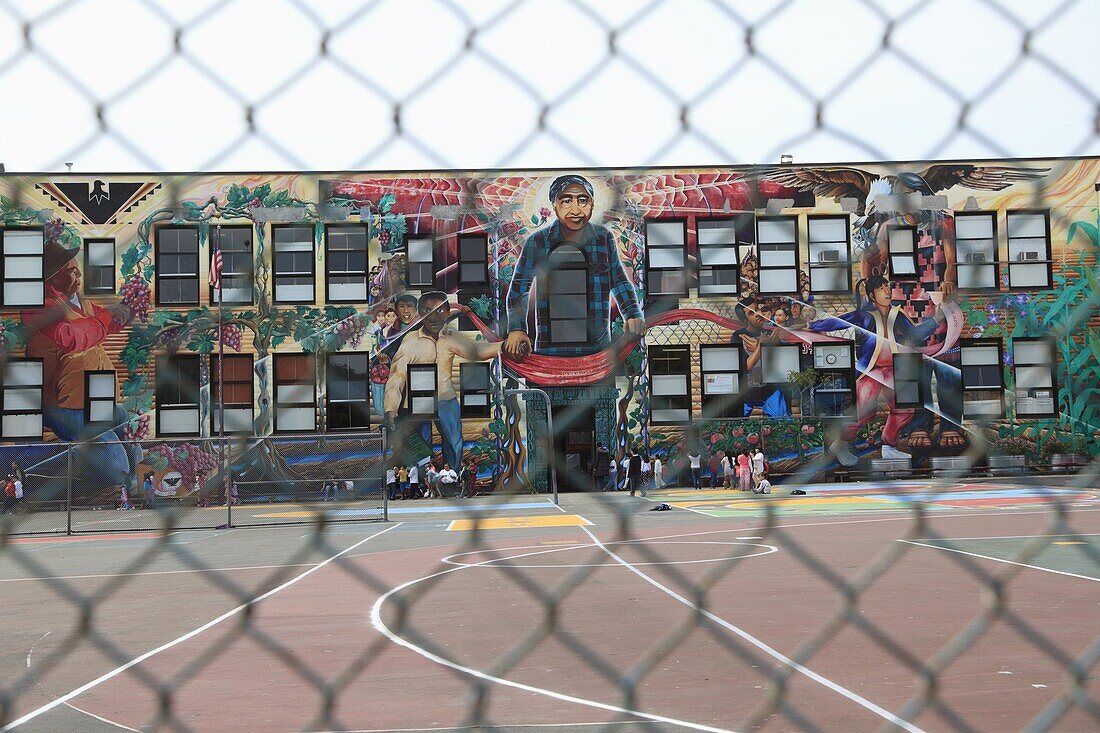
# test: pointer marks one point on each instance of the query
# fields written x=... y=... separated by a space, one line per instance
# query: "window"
x=665 y=258
x=422 y=389
x=295 y=393
x=177 y=266
x=721 y=380
x=778 y=361
x=23 y=267
x=473 y=259
x=834 y=396
x=830 y=254
x=976 y=250
x=720 y=254
x=474 y=378
x=777 y=251
x=421 y=262
x=982 y=379
x=99 y=398
x=235 y=244
x=236 y=381
x=22 y=401
x=1033 y=361
x=346 y=263
x=347 y=391
x=1028 y=249
x=907 y=391
x=177 y=394
x=669 y=388
x=902 y=243
x=99 y=266
x=294 y=269
x=567 y=291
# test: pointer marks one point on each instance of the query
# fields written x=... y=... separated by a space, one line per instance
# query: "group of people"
x=431 y=480
x=747 y=470
x=331 y=488
x=13 y=489
x=635 y=472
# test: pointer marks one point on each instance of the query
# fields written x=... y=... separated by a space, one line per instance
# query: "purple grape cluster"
x=384 y=237
x=352 y=330
x=136 y=296
x=169 y=335
x=53 y=230
x=193 y=462
x=138 y=428
x=233 y=336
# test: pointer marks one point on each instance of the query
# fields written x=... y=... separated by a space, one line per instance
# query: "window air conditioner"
x=1024 y=256
x=828 y=255
x=976 y=257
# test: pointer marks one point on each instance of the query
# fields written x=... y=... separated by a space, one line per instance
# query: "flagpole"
x=221 y=394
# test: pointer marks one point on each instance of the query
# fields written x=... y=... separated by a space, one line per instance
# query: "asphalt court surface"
x=623 y=574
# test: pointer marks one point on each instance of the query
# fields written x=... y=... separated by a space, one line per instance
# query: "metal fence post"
x=69 y=489
x=385 y=493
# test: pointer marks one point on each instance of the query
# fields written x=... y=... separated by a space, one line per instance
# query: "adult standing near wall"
x=601 y=467
x=634 y=473
x=695 y=464
x=758 y=461
x=658 y=473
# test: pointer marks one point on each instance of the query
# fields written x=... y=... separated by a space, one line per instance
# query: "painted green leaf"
x=385 y=204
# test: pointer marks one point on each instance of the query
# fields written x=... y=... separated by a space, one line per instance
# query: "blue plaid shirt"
x=606 y=280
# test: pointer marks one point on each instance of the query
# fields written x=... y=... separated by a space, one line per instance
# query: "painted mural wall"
x=426 y=274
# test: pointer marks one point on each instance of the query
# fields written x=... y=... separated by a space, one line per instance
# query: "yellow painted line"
x=1074 y=542
x=816 y=501
x=547 y=520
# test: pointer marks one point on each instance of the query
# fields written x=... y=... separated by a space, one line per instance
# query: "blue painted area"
x=1027 y=492
x=464 y=508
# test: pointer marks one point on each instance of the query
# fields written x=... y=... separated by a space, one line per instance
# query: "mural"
x=543 y=279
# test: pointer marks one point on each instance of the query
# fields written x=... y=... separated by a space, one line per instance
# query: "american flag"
x=216 y=267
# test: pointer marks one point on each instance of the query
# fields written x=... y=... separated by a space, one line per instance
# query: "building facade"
x=902 y=310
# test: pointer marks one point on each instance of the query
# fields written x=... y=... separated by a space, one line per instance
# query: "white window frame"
x=820 y=243
x=666 y=255
x=836 y=359
x=420 y=245
x=474 y=400
x=901 y=246
x=775 y=373
x=769 y=242
x=21 y=400
x=669 y=387
x=100 y=390
x=338 y=238
x=160 y=273
x=719 y=252
x=292 y=239
x=1036 y=370
x=97 y=260
x=976 y=254
x=236 y=285
x=418 y=394
x=23 y=248
x=717 y=400
x=238 y=415
x=178 y=410
x=1028 y=249
x=295 y=398
x=977 y=401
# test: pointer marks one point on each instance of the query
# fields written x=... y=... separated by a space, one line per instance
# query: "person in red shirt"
x=67 y=333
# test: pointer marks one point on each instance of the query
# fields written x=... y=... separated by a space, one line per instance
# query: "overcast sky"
x=491 y=83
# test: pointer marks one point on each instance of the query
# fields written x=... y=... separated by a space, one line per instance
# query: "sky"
x=157 y=85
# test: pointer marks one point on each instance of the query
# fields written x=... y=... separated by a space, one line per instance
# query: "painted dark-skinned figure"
x=570 y=257
x=67 y=334
x=433 y=343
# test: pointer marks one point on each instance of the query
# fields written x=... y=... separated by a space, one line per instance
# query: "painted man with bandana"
x=572 y=197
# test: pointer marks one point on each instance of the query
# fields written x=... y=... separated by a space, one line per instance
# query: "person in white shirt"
x=727 y=473
x=447 y=479
x=695 y=465
x=624 y=469
x=391 y=483
x=758 y=466
x=432 y=482
x=348 y=486
x=658 y=473
x=414 y=481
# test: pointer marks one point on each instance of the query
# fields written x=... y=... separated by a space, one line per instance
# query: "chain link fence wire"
x=243 y=85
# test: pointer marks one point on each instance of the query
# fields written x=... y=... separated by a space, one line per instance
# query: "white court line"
x=835 y=687
x=1013 y=536
x=1006 y=562
x=376 y=620
x=190 y=634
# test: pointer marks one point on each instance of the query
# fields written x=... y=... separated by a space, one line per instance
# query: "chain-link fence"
x=952 y=593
